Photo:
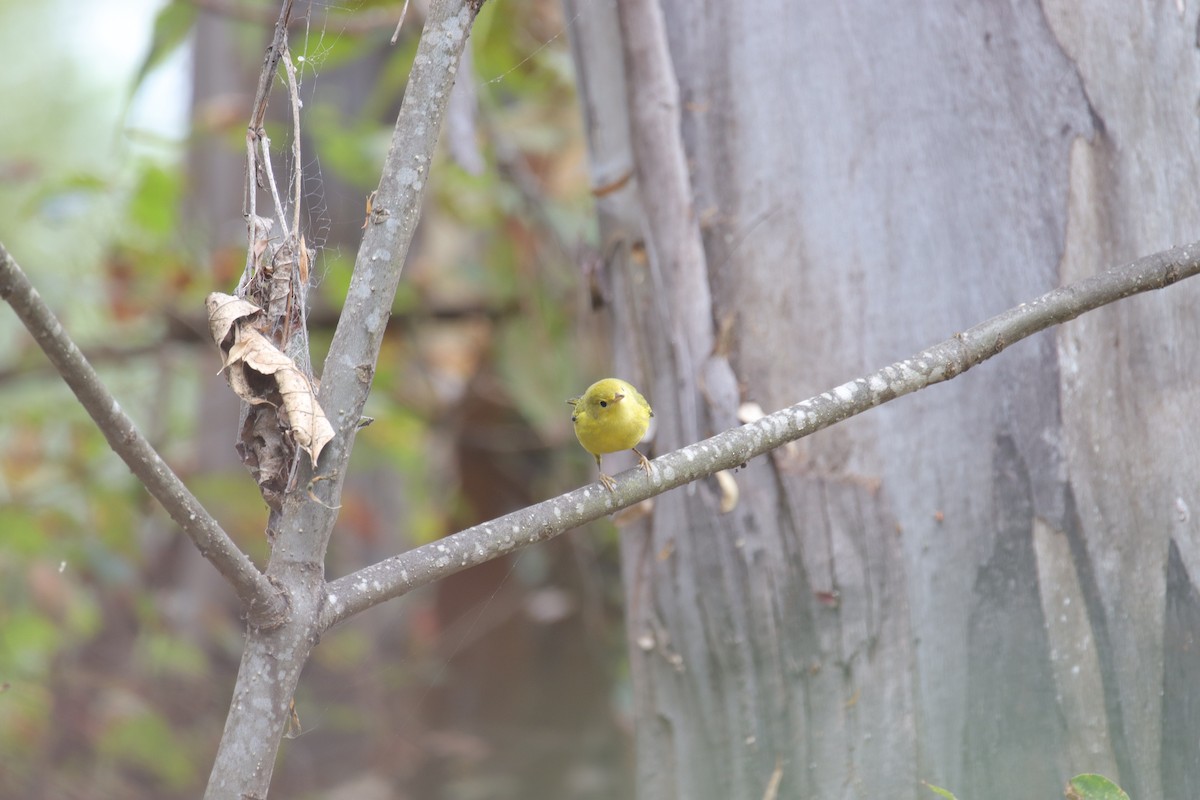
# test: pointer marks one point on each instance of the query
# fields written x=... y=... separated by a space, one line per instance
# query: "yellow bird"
x=609 y=417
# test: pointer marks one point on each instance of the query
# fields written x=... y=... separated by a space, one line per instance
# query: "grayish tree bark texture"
x=990 y=585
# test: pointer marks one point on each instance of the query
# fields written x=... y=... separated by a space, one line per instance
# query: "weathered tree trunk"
x=989 y=585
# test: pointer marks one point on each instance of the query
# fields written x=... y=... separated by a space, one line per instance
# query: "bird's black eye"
x=604 y=404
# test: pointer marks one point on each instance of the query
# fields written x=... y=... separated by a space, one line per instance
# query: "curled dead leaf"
x=260 y=373
x=224 y=312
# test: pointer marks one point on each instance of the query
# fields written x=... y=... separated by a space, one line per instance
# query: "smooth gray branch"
x=400 y=574
x=395 y=209
x=264 y=605
x=273 y=660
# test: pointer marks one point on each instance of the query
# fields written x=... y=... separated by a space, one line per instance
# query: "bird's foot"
x=643 y=462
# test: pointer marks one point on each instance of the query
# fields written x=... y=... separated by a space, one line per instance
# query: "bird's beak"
x=617 y=397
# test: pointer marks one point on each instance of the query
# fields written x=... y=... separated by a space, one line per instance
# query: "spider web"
x=325 y=25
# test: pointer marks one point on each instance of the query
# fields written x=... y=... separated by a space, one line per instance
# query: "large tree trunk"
x=988 y=585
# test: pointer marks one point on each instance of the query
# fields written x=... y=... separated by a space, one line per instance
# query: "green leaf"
x=154 y=202
x=939 y=791
x=171 y=29
x=1094 y=787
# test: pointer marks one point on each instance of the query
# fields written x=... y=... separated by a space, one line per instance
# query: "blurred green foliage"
x=118 y=643
x=1081 y=787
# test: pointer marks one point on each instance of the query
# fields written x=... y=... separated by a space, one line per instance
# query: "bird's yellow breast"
x=610 y=416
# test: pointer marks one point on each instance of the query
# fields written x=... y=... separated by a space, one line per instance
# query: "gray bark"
x=989 y=585
x=273 y=659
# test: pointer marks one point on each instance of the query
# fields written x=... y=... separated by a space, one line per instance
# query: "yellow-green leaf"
x=1094 y=787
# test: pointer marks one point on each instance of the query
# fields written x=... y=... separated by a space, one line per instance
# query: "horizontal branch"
x=400 y=574
x=263 y=603
x=96 y=355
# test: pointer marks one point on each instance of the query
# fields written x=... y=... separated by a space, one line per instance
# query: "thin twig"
x=255 y=132
x=420 y=566
x=265 y=145
x=264 y=605
x=95 y=355
x=275 y=51
x=249 y=197
x=400 y=22
x=297 y=177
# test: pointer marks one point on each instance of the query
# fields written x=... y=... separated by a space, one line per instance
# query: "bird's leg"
x=643 y=462
x=608 y=482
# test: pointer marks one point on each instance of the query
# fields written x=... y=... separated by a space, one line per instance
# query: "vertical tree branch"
x=272 y=661
x=395 y=211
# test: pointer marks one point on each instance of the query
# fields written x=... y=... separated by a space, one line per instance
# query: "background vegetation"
x=120 y=195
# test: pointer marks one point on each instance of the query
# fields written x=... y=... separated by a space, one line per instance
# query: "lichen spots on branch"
x=457 y=25
x=446 y=39
x=780 y=424
x=407 y=176
x=374 y=323
x=908 y=375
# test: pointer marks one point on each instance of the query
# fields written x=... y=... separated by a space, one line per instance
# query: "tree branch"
x=395 y=210
x=400 y=574
x=272 y=661
x=264 y=605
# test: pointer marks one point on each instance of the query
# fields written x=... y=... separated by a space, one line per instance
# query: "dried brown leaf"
x=224 y=312
x=310 y=427
x=259 y=373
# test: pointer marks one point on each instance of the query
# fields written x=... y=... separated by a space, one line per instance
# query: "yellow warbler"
x=611 y=416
